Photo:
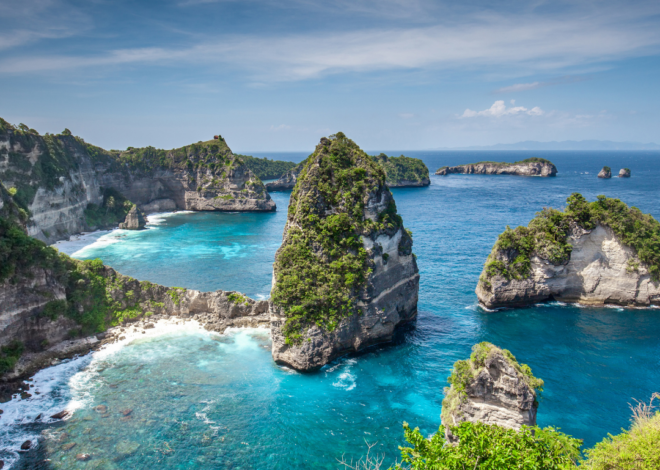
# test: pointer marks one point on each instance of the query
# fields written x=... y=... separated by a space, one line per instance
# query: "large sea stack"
x=528 y=167
x=69 y=186
x=605 y=173
x=491 y=387
x=602 y=252
x=345 y=276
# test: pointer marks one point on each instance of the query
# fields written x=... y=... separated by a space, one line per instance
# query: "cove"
x=206 y=401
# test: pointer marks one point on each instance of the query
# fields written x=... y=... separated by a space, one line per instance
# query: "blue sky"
x=276 y=75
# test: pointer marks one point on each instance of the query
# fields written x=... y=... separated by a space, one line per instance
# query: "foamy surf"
x=69 y=386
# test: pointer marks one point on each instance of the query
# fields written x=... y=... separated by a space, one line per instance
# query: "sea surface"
x=207 y=401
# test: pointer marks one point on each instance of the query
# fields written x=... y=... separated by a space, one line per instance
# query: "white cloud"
x=406 y=115
x=519 y=87
x=499 y=109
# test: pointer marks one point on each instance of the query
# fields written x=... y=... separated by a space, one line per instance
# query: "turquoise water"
x=203 y=401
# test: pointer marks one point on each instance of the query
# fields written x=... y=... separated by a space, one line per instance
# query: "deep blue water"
x=203 y=401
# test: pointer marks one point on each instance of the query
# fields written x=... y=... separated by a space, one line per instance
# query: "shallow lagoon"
x=208 y=401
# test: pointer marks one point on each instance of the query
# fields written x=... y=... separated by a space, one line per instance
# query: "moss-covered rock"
x=548 y=258
x=491 y=387
x=402 y=172
x=534 y=166
x=330 y=272
x=265 y=168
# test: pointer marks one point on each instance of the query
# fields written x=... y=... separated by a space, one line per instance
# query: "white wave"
x=158 y=218
x=76 y=243
x=346 y=379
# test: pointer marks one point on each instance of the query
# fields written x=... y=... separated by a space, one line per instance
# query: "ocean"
x=204 y=401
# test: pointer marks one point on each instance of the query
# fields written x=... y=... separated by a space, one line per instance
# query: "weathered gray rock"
x=287 y=181
x=496 y=392
x=135 y=220
x=624 y=173
x=605 y=173
x=601 y=270
x=523 y=168
x=388 y=300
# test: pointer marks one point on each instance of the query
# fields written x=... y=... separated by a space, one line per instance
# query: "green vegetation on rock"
x=265 y=168
x=9 y=355
x=398 y=169
x=546 y=236
x=111 y=212
x=490 y=447
x=238 y=298
x=322 y=265
x=465 y=371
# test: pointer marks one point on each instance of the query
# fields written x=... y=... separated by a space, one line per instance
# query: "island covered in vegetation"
x=534 y=166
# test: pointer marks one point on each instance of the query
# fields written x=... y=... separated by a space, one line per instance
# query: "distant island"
x=563 y=145
x=529 y=167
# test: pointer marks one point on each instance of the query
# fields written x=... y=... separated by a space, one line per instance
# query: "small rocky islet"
x=529 y=167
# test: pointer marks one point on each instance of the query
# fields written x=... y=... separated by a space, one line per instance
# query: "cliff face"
x=529 y=167
x=491 y=388
x=59 y=177
x=287 y=181
x=590 y=263
x=345 y=276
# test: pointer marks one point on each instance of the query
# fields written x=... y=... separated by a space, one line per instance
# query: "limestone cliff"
x=491 y=387
x=345 y=276
x=528 y=167
x=592 y=253
x=60 y=179
x=287 y=181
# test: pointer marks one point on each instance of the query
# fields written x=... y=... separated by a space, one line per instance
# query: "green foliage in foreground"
x=265 y=168
x=322 y=264
x=491 y=447
x=465 y=371
x=402 y=168
x=546 y=236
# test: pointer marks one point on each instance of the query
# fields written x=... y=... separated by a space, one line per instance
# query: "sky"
x=277 y=75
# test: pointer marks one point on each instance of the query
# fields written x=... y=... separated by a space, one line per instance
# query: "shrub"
x=9 y=355
x=490 y=447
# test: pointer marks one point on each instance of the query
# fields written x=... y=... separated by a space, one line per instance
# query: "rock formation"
x=606 y=172
x=492 y=388
x=404 y=172
x=528 y=167
x=598 y=253
x=60 y=178
x=624 y=173
x=345 y=276
x=287 y=181
x=135 y=220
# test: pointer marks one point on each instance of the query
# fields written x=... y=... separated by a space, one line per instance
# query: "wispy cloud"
x=499 y=109
x=406 y=115
x=534 y=85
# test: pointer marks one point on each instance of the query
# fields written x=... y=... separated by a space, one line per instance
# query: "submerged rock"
x=528 y=167
x=490 y=387
x=583 y=254
x=624 y=173
x=606 y=172
x=135 y=220
x=345 y=276
x=26 y=445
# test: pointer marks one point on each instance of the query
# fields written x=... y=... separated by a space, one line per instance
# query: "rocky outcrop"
x=135 y=220
x=287 y=181
x=606 y=172
x=60 y=178
x=358 y=280
x=491 y=388
x=528 y=167
x=624 y=173
x=588 y=264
